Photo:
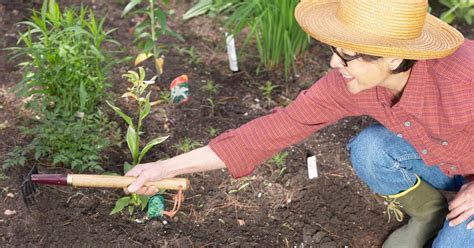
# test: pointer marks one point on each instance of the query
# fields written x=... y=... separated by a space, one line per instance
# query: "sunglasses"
x=344 y=59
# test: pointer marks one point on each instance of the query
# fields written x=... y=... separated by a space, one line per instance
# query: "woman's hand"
x=145 y=173
x=462 y=206
x=198 y=160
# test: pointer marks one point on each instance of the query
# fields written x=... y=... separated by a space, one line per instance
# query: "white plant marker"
x=231 y=54
x=312 y=167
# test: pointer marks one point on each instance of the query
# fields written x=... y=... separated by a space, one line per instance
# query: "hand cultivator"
x=29 y=187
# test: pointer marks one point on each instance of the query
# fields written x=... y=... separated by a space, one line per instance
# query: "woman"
x=409 y=71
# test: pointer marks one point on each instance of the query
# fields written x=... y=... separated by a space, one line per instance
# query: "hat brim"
x=318 y=19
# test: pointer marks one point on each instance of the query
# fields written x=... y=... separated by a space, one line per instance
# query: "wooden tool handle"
x=105 y=181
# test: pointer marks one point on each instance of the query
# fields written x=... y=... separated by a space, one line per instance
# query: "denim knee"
x=457 y=236
x=365 y=150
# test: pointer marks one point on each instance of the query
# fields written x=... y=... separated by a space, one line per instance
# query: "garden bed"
x=334 y=210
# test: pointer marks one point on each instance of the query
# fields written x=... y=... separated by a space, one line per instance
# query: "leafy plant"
x=267 y=91
x=186 y=145
x=191 y=52
x=16 y=157
x=211 y=88
x=149 y=31
x=458 y=9
x=64 y=77
x=137 y=92
x=165 y=96
x=271 y=24
x=76 y=143
x=280 y=161
x=212 y=7
x=66 y=67
x=212 y=131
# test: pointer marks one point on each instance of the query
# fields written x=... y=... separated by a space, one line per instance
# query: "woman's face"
x=360 y=74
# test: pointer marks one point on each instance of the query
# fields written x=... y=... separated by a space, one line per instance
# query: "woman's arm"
x=198 y=160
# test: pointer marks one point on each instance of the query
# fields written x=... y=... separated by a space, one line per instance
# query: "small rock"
x=86 y=202
x=307 y=235
x=331 y=244
x=241 y=222
x=11 y=195
x=9 y=212
x=318 y=237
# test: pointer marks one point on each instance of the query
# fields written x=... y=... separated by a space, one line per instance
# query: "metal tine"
x=28 y=188
x=24 y=196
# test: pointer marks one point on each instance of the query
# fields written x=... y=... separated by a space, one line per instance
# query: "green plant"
x=64 y=77
x=212 y=131
x=213 y=7
x=137 y=92
x=76 y=143
x=186 y=145
x=272 y=25
x=165 y=96
x=16 y=157
x=211 y=88
x=191 y=52
x=280 y=161
x=149 y=31
x=2 y=175
x=458 y=9
x=241 y=185
x=66 y=67
x=267 y=91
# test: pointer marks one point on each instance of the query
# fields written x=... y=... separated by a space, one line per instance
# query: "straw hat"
x=387 y=28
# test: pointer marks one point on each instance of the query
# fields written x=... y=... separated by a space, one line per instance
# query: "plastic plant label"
x=180 y=90
x=231 y=54
x=156 y=206
x=312 y=167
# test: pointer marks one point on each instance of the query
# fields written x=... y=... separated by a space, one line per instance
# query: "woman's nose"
x=335 y=61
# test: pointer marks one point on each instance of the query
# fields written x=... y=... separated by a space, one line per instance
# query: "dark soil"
x=334 y=210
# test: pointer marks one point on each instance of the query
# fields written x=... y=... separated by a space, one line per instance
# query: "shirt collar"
x=413 y=96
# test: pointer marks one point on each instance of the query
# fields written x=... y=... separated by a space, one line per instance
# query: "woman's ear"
x=393 y=63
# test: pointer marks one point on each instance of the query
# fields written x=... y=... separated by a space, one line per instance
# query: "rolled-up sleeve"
x=246 y=147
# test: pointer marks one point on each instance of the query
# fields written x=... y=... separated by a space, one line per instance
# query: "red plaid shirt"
x=435 y=114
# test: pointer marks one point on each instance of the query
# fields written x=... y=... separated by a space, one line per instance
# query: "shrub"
x=64 y=78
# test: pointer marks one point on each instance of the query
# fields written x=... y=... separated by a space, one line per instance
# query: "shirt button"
x=424 y=151
x=407 y=123
x=454 y=167
x=444 y=143
x=399 y=135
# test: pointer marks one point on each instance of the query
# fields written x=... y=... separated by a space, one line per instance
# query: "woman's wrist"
x=198 y=160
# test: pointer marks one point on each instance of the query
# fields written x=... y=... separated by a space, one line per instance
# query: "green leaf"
x=127 y=119
x=161 y=17
x=143 y=201
x=150 y=145
x=120 y=204
x=147 y=107
x=200 y=8
x=130 y=6
x=448 y=16
x=130 y=209
x=126 y=167
x=132 y=139
x=82 y=96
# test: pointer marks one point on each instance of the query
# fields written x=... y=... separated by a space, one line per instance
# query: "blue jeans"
x=389 y=165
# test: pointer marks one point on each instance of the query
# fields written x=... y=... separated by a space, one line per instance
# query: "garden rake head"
x=28 y=188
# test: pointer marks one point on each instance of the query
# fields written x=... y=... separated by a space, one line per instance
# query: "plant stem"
x=152 y=23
